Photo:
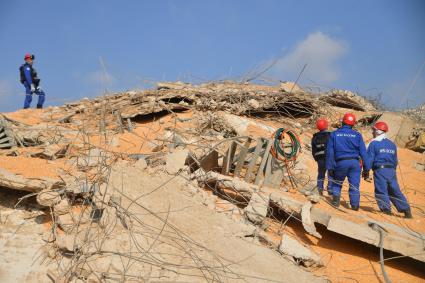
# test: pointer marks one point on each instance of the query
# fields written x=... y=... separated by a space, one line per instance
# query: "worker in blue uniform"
x=318 y=149
x=383 y=160
x=344 y=150
x=31 y=82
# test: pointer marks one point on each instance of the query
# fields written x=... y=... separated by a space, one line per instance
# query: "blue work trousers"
x=351 y=169
x=321 y=173
x=28 y=97
x=387 y=189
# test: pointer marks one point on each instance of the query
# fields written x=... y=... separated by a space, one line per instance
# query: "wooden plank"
x=242 y=155
x=2 y=134
x=5 y=145
x=254 y=158
x=260 y=173
x=130 y=125
x=227 y=162
x=119 y=120
x=274 y=174
x=268 y=169
x=6 y=139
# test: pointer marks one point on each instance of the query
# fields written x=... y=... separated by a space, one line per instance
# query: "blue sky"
x=84 y=47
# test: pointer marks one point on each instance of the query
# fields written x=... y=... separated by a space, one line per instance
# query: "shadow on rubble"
x=291 y=109
x=336 y=242
x=9 y=198
x=340 y=243
x=152 y=117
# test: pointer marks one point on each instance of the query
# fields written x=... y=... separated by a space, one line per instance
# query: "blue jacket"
x=382 y=152
x=28 y=75
x=345 y=143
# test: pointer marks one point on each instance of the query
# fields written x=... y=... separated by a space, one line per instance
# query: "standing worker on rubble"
x=31 y=82
x=382 y=155
x=318 y=149
x=345 y=147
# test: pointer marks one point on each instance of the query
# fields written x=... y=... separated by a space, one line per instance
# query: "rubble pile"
x=348 y=99
x=181 y=183
x=416 y=113
x=417 y=140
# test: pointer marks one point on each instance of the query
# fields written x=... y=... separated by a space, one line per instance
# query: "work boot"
x=39 y=106
x=335 y=201
x=387 y=211
x=320 y=191
x=355 y=207
x=408 y=213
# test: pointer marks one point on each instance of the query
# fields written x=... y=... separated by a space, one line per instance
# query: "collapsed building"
x=189 y=183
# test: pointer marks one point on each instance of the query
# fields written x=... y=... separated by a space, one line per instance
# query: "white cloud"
x=320 y=52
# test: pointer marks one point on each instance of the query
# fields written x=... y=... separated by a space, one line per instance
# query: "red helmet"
x=349 y=119
x=29 y=56
x=322 y=124
x=381 y=126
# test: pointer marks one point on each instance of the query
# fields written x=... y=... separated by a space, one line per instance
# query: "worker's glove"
x=32 y=88
x=366 y=175
x=331 y=173
x=38 y=89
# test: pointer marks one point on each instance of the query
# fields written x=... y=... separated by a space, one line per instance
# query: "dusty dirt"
x=27 y=116
x=30 y=167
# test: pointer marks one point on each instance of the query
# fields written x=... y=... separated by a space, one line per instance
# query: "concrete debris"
x=302 y=254
x=21 y=183
x=290 y=87
x=100 y=170
x=48 y=198
x=172 y=85
x=209 y=200
x=417 y=114
x=63 y=207
x=417 y=140
x=348 y=99
x=257 y=207
x=398 y=240
x=71 y=221
x=241 y=125
x=66 y=223
x=308 y=224
x=51 y=152
x=176 y=160
x=254 y=103
x=420 y=166
x=141 y=164
x=92 y=158
x=6 y=136
x=315 y=198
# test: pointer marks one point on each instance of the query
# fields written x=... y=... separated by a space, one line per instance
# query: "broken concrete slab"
x=176 y=160
x=63 y=207
x=290 y=246
x=308 y=224
x=397 y=240
x=51 y=152
x=48 y=198
x=257 y=207
x=348 y=99
x=141 y=164
x=18 y=182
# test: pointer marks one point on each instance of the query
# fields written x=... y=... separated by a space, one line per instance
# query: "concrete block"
x=257 y=207
x=176 y=160
x=290 y=246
